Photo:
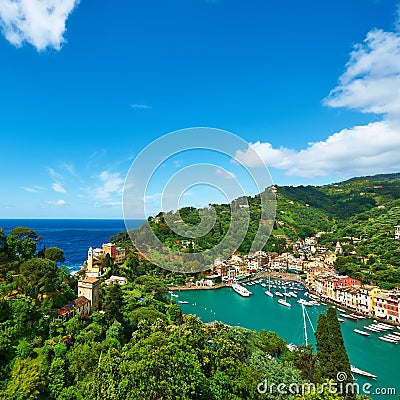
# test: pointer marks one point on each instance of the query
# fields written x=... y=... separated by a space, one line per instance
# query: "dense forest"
x=138 y=346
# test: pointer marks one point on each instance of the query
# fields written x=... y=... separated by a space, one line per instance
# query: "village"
x=315 y=264
x=309 y=262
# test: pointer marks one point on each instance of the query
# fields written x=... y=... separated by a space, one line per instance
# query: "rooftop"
x=89 y=280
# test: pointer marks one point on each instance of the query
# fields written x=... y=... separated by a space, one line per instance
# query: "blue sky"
x=312 y=86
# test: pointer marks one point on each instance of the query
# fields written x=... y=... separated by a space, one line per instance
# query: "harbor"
x=378 y=358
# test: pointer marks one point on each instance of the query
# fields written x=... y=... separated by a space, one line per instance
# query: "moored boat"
x=284 y=303
x=361 y=332
x=349 y=316
x=386 y=339
x=359 y=371
x=241 y=290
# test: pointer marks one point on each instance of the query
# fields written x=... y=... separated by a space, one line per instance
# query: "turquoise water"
x=262 y=312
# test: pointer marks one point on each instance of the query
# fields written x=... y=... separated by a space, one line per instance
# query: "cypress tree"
x=323 y=347
x=339 y=356
x=331 y=352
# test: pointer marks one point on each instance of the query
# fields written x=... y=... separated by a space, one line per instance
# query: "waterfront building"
x=313 y=271
x=392 y=307
x=347 y=281
x=348 y=296
x=366 y=298
x=380 y=304
x=205 y=283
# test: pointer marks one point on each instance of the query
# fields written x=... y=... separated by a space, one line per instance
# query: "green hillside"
x=360 y=213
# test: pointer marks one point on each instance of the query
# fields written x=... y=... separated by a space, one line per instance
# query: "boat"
x=341 y=310
x=305 y=302
x=268 y=292
x=279 y=294
x=183 y=302
x=362 y=332
x=241 y=290
x=349 y=316
x=340 y=320
x=284 y=303
x=386 y=326
x=385 y=339
x=174 y=295
x=394 y=337
x=263 y=285
x=372 y=329
x=357 y=316
x=359 y=371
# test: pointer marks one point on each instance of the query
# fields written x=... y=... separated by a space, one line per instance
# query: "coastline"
x=285 y=277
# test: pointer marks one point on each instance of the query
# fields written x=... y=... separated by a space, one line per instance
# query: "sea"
x=74 y=236
x=263 y=312
x=255 y=312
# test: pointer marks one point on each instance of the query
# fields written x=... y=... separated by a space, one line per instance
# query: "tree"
x=24 y=349
x=160 y=367
x=331 y=352
x=112 y=304
x=38 y=276
x=271 y=343
x=54 y=254
x=339 y=353
x=306 y=361
x=21 y=243
x=56 y=376
x=26 y=381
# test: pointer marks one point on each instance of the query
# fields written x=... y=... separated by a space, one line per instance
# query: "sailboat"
x=268 y=292
x=283 y=301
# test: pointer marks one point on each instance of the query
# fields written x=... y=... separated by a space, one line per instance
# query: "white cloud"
x=38 y=22
x=370 y=84
x=71 y=169
x=57 y=187
x=29 y=189
x=56 y=203
x=141 y=106
x=225 y=174
x=278 y=158
x=111 y=183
